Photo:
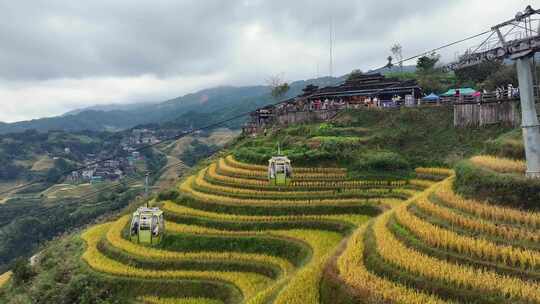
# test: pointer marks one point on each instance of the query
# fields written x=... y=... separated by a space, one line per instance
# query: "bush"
x=197 y=151
x=170 y=195
x=509 y=145
x=297 y=130
x=505 y=189
x=258 y=155
x=381 y=161
x=22 y=271
x=326 y=129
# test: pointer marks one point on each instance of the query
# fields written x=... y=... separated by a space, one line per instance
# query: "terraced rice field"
x=4 y=278
x=234 y=238
x=500 y=164
x=441 y=248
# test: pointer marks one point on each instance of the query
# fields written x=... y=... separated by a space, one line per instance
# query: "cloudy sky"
x=59 y=55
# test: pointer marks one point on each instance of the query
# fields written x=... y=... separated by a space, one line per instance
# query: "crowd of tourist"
x=319 y=104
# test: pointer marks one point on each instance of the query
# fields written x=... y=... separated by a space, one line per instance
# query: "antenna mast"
x=331 y=46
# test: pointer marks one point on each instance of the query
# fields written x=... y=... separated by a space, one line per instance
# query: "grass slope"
x=374 y=143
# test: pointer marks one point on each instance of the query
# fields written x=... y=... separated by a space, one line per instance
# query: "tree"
x=427 y=64
x=429 y=78
x=22 y=271
x=278 y=86
x=397 y=51
x=505 y=75
x=475 y=75
x=354 y=74
x=56 y=172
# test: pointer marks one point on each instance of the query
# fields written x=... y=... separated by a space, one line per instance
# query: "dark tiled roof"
x=368 y=84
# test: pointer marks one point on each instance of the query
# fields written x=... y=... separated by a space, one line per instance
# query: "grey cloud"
x=113 y=38
x=74 y=39
x=59 y=54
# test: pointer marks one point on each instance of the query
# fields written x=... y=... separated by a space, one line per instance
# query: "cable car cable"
x=436 y=49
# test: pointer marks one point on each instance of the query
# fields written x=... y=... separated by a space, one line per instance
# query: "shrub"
x=509 y=145
x=505 y=189
x=22 y=271
x=384 y=161
x=325 y=129
x=298 y=130
x=170 y=195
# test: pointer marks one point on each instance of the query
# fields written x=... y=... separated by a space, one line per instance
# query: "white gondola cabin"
x=279 y=170
x=147 y=226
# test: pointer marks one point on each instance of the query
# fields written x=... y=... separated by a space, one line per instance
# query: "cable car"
x=279 y=171
x=147 y=226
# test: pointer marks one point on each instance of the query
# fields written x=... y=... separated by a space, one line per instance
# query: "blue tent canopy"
x=431 y=97
x=462 y=91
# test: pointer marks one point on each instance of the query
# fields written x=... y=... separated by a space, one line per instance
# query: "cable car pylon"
x=521 y=49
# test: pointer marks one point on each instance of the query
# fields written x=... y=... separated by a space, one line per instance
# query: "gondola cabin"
x=279 y=171
x=147 y=226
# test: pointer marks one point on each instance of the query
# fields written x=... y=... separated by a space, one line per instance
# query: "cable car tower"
x=518 y=40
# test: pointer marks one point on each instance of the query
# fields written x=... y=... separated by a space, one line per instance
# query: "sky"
x=61 y=55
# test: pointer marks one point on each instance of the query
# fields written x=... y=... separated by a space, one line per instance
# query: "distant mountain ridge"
x=200 y=108
x=394 y=69
x=110 y=107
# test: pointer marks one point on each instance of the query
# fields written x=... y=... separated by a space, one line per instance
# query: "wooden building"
x=361 y=90
x=371 y=90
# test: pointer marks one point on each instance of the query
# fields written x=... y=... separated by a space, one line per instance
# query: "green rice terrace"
x=371 y=218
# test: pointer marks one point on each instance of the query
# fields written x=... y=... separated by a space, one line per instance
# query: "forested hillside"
x=201 y=108
x=56 y=202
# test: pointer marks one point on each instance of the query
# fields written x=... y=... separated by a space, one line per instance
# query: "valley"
x=56 y=204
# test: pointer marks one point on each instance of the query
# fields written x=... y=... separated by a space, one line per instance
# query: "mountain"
x=191 y=109
x=110 y=107
x=395 y=69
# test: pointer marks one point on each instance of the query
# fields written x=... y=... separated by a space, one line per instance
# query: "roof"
x=368 y=84
x=279 y=159
x=153 y=210
x=462 y=91
x=431 y=97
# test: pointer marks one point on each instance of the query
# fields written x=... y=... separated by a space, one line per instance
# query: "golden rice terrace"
x=439 y=247
x=234 y=238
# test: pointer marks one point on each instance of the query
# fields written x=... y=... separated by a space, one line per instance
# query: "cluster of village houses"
x=368 y=91
x=114 y=169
